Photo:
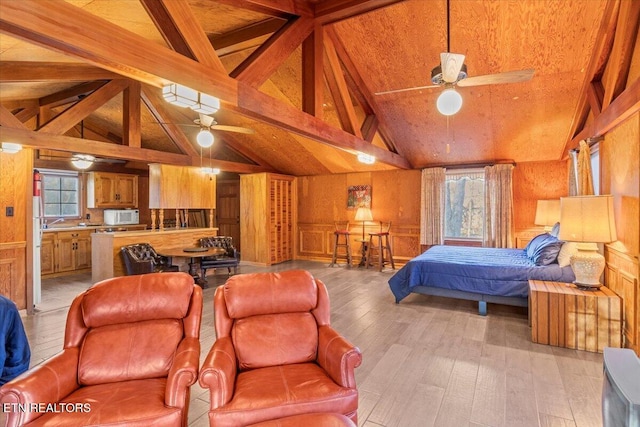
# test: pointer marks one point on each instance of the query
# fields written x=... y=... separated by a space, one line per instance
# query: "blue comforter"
x=488 y=271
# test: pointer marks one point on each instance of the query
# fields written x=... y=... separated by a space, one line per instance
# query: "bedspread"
x=488 y=271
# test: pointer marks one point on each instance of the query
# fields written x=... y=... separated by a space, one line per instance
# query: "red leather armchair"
x=131 y=352
x=276 y=354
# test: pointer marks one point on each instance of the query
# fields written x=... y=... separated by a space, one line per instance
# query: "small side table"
x=364 y=246
x=565 y=316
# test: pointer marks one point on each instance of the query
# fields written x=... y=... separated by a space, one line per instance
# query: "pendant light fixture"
x=449 y=102
x=205 y=138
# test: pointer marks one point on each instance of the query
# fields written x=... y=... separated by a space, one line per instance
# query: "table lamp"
x=363 y=214
x=547 y=213
x=587 y=220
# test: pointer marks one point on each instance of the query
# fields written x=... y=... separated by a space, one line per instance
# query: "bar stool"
x=382 y=247
x=341 y=231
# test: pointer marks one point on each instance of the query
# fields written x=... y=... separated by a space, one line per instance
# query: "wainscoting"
x=621 y=276
x=315 y=241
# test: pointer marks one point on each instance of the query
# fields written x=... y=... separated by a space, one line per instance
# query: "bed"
x=482 y=274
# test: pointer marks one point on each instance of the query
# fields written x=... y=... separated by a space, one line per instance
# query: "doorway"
x=228 y=210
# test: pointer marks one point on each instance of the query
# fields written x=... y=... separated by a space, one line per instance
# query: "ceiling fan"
x=452 y=72
x=207 y=124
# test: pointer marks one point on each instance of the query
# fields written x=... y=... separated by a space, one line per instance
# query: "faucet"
x=57 y=220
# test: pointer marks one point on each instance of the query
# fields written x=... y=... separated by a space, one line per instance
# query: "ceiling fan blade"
x=233 y=129
x=407 y=89
x=451 y=64
x=507 y=77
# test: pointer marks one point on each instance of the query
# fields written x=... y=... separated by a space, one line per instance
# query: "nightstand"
x=562 y=315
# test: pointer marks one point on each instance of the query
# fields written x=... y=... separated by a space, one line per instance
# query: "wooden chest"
x=565 y=316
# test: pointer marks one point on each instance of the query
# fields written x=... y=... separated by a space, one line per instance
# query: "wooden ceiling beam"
x=8 y=119
x=285 y=9
x=155 y=105
x=28 y=112
x=369 y=127
x=73 y=94
x=339 y=91
x=622 y=51
x=74 y=114
x=595 y=94
x=312 y=82
x=70 y=144
x=242 y=35
x=263 y=61
x=47 y=24
x=182 y=31
x=623 y=107
x=330 y=11
x=131 y=115
x=595 y=68
x=31 y=71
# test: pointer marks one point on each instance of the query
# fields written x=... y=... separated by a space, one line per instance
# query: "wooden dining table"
x=193 y=253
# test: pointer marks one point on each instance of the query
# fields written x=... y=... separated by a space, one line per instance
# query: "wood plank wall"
x=15 y=191
x=396 y=197
x=620 y=176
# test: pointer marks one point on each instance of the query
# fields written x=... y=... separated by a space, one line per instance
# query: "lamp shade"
x=449 y=102
x=82 y=161
x=363 y=214
x=547 y=212
x=587 y=219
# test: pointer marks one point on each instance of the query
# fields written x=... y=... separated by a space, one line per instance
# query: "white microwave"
x=121 y=216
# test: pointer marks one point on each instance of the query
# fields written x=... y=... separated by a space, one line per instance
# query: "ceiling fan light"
x=10 y=147
x=367 y=159
x=209 y=170
x=180 y=95
x=205 y=138
x=449 y=102
x=206 y=104
x=82 y=161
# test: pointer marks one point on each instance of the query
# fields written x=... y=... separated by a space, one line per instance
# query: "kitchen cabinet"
x=267 y=217
x=181 y=187
x=47 y=254
x=65 y=251
x=112 y=190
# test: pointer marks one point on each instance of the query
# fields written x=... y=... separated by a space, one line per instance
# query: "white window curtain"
x=585 y=176
x=432 y=206
x=498 y=211
x=573 y=172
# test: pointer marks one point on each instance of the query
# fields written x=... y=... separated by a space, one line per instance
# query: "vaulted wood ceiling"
x=85 y=76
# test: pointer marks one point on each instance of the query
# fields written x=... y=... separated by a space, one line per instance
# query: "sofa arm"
x=49 y=382
x=338 y=356
x=183 y=372
x=218 y=372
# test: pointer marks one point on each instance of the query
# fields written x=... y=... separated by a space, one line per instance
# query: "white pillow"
x=564 y=256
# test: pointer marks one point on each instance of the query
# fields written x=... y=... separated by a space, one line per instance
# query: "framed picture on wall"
x=359 y=196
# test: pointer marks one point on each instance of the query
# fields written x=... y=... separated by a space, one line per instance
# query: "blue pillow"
x=543 y=249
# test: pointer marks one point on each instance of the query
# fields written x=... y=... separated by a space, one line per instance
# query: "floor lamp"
x=363 y=214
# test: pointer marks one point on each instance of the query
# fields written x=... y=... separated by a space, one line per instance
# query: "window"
x=60 y=194
x=464 y=205
x=595 y=167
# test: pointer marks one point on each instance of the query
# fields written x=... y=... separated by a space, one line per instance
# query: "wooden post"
x=210 y=218
x=153 y=219
x=161 y=219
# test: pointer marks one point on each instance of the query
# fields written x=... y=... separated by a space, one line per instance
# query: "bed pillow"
x=566 y=252
x=543 y=249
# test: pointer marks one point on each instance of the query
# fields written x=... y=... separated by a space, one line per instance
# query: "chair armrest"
x=49 y=382
x=338 y=356
x=183 y=372
x=218 y=372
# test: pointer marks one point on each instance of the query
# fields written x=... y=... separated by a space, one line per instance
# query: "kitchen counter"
x=105 y=247
x=96 y=228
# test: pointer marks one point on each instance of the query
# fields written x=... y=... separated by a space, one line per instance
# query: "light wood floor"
x=427 y=361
